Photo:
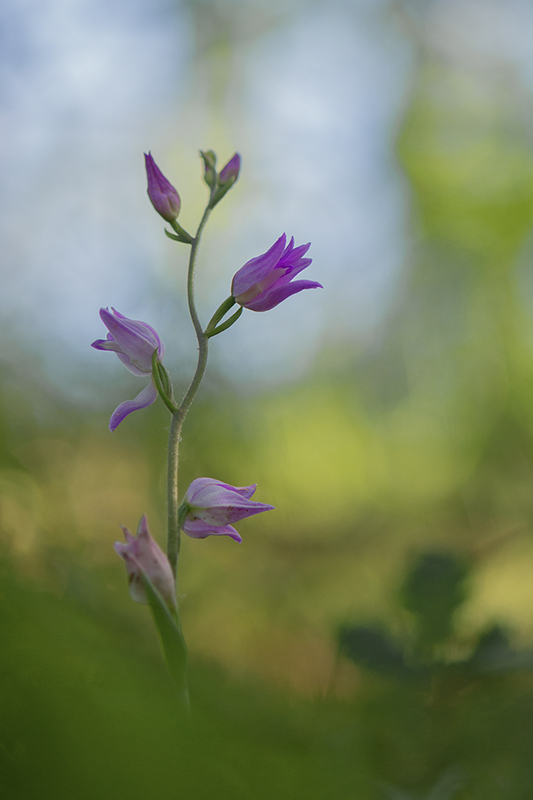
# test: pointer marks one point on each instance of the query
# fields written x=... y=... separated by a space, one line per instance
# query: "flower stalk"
x=178 y=416
x=209 y=506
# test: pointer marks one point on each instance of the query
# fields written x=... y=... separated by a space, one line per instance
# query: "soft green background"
x=419 y=442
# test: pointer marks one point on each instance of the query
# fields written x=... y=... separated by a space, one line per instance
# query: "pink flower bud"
x=226 y=178
x=143 y=556
x=162 y=194
x=230 y=172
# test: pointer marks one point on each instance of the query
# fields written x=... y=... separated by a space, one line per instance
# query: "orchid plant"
x=209 y=506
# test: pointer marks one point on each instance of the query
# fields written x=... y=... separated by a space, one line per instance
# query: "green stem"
x=178 y=416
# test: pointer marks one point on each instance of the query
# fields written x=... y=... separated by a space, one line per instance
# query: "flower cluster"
x=209 y=507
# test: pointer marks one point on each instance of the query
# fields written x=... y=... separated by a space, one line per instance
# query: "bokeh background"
x=372 y=637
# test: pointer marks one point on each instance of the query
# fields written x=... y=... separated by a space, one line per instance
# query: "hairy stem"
x=178 y=417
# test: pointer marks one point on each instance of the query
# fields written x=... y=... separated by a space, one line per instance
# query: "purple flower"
x=231 y=171
x=134 y=343
x=211 y=506
x=265 y=281
x=162 y=194
x=143 y=556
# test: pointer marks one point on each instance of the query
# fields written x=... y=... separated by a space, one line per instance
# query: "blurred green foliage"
x=403 y=484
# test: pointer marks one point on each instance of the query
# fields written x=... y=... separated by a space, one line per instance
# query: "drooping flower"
x=143 y=556
x=265 y=281
x=162 y=194
x=134 y=343
x=211 y=506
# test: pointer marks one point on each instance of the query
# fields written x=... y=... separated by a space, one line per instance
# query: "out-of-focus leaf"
x=494 y=654
x=447 y=786
x=374 y=650
x=172 y=642
x=432 y=590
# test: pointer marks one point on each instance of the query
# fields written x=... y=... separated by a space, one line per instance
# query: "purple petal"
x=143 y=400
x=231 y=170
x=279 y=293
x=127 y=332
x=198 y=529
x=142 y=328
x=293 y=254
x=257 y=268
x=232 y=509
x=135 y=340
x=126 y=360
x=106 y=344
x=202 y=483
x=287 y=273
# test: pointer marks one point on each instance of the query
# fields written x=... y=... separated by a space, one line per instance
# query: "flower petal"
x=280 y=293
x=137 y=341
x=202 y=483
x=257 y=268
x=144 y=557
x=106 y=344
x=231 y=171
x=293 y=254
x=142 y=328
x=198 y=529
x=143 y=400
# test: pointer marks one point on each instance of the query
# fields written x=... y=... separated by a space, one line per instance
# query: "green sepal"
x=162 y=383
x=225 y=325
x=221 y=311
x=172 y=642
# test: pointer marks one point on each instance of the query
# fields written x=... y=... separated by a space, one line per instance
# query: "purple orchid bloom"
x=265 y=281
x=134 y=343
x=211 y=507
x=162 y=194
x=144 y=557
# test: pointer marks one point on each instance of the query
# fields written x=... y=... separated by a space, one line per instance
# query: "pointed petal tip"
x=145 y=398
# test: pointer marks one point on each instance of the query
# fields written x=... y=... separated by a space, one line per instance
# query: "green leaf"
x=494 y=655
x=373 y=649
x=177 y=238
x=172 y=641
x=432 y=591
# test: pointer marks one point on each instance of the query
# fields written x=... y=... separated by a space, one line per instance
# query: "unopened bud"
x=210 y=161
x=162 y=194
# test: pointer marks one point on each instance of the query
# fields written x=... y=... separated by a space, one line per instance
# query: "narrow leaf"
x=172 y=641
